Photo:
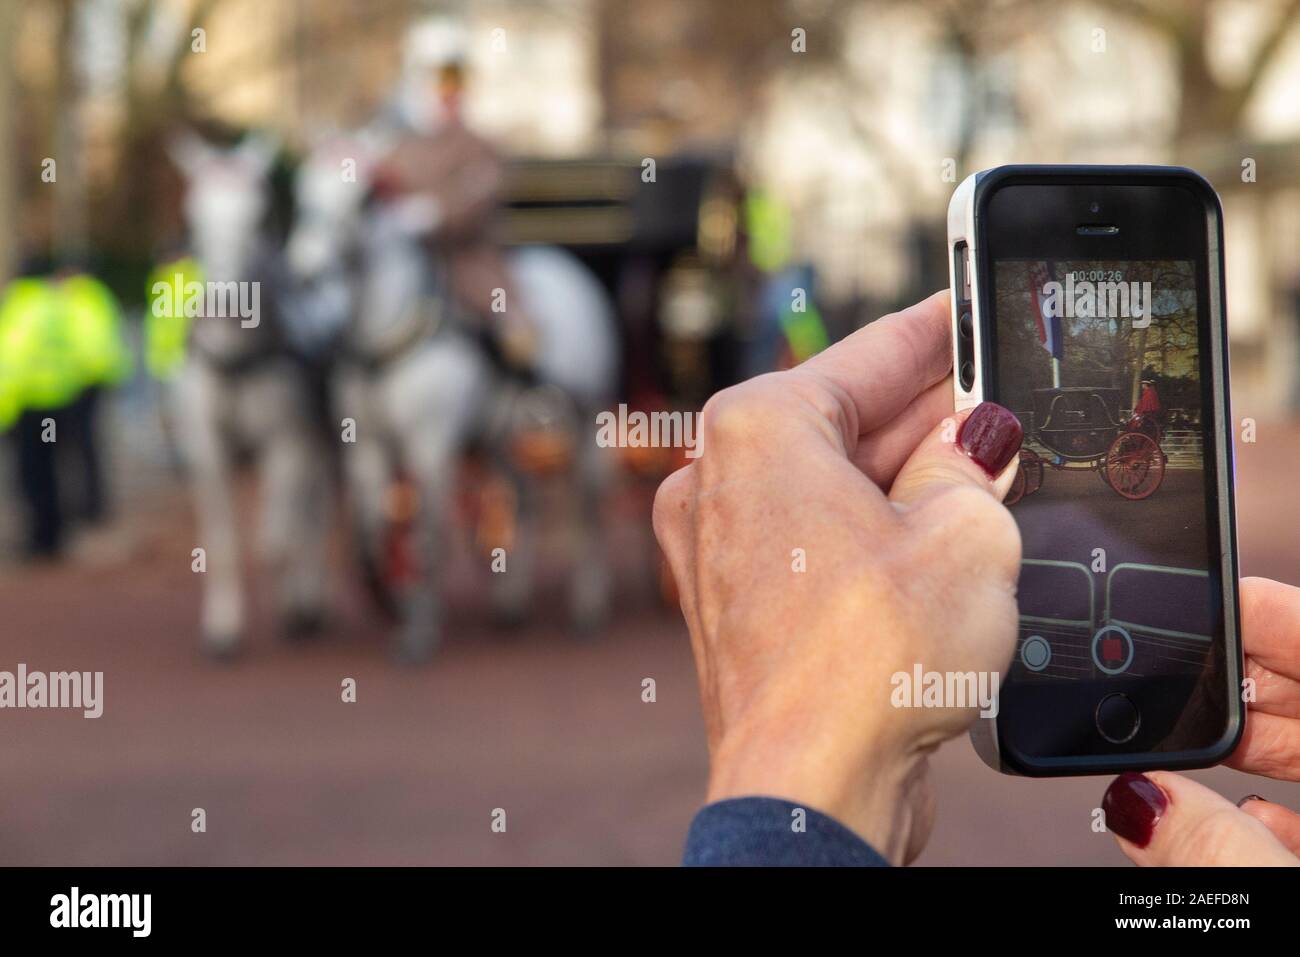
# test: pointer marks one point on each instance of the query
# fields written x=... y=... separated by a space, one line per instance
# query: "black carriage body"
x=1077 y=423
x=630 y=233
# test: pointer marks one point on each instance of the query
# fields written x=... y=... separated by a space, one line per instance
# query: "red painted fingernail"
x=1133 y=806
x=991 y=435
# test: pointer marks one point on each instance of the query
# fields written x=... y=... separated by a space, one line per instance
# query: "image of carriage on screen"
x=1081 y=428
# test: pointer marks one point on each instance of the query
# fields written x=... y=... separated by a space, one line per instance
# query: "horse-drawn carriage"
x=662 y=251
x=1081 y=428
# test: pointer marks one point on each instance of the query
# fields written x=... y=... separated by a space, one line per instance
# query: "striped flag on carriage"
x=1048 y=319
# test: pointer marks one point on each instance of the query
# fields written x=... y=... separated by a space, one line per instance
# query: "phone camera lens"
x=1094 y=207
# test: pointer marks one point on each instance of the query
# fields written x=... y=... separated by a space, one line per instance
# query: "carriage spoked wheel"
x=1029 y=477
x=1134 y=465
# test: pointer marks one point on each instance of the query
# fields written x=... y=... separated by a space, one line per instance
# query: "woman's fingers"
x=949 y=493
x=886 y=364
x=1165 y=820
x=1274 y=693
x=880 y=454
x=1270 y=625
x=672 y=518
x=1283 y=822
x=1270 y=746
x=1270 y=619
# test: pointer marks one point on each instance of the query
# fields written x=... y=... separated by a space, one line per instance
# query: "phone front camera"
x=1094 y=207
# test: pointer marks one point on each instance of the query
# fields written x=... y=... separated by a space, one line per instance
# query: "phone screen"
x=1101 y=362
x=1105 y=361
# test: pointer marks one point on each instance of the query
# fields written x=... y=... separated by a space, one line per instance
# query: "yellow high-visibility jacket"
x=10 y=389
x=38 y=360
x=166 y=323
x=96 y=323
x=767 y=223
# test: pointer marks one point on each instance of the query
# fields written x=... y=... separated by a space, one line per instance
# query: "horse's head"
x=330 y=193
x=227 y=196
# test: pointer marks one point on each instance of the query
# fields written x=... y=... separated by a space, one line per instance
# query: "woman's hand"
x=1163 y=819
x=841 y=526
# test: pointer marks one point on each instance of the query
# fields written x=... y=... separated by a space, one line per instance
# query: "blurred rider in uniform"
x=1149 y=401
x=1148 y=413
x=446 y=185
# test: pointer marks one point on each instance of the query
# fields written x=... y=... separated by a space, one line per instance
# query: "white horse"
x=420 y=387
x=242 y=390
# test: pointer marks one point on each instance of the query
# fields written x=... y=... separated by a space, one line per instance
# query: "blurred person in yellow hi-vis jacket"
x=100 y=348
x=10 y=389
x=166 y=321
x=103 y=360
x=43 y=379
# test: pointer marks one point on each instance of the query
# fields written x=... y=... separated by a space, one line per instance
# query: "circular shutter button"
x=1036 y=653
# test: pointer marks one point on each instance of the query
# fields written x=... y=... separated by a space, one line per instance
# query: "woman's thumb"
x=1165 y=820
x=975 y=450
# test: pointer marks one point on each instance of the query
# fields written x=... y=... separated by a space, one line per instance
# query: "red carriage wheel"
x=1017 y=490
x=1103 y=471
x=1134 y=465
x=1031 y=463
x=1029 y=477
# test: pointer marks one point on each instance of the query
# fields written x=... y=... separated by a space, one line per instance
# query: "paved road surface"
x=550 y=730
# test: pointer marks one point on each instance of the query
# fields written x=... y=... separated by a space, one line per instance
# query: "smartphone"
x=1089 y=301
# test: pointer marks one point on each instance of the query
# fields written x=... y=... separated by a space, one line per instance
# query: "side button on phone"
x=1118 y=718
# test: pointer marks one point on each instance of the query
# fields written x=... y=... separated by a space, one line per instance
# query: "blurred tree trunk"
x=1139 y=366
x=71 y=241
x=8 y=148
x=156 y=102
x=1208 y=109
